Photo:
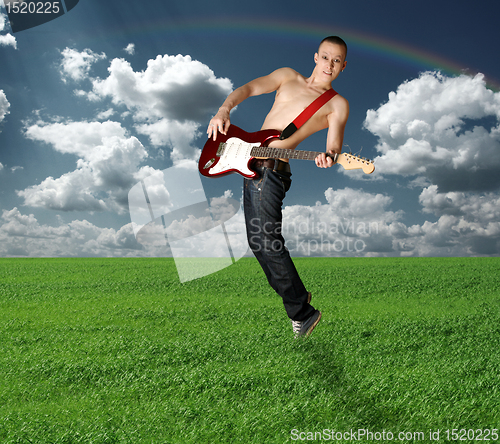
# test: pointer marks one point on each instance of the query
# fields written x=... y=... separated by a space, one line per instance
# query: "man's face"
x=330 y=60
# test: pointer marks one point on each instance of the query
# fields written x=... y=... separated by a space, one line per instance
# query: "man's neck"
x=314 y=83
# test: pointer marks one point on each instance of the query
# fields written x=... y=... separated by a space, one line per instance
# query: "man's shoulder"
x=338 y=107
x=287 y=70
x=340 y=101
x=288 y=74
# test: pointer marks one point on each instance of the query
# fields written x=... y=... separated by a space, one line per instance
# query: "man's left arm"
x=337 y=120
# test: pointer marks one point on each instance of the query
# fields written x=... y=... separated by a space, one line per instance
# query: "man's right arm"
x=262 y=85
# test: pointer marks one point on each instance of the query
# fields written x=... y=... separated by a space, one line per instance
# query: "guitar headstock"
x=351 y=162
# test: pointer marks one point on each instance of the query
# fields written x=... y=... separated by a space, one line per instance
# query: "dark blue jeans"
x=262 y=202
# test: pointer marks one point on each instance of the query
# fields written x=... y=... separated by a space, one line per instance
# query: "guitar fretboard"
x=282 y=153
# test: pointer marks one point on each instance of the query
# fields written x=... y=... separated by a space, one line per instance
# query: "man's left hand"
x=324 y=161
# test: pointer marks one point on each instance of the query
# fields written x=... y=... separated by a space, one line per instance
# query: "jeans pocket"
x=258 y=181
x=286 y=182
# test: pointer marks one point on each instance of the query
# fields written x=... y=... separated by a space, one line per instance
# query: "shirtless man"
x=263 y=196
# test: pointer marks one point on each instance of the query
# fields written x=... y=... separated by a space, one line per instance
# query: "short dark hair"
x=336 y=40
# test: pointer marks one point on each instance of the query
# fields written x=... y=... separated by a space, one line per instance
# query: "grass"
x=118 y=351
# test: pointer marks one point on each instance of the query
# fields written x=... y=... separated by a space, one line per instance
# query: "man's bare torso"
x=294 y=93
x=292 y=97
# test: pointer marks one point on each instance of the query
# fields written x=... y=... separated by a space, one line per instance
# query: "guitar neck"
x=265 y=152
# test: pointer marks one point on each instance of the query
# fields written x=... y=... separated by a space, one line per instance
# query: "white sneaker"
x=305 y=328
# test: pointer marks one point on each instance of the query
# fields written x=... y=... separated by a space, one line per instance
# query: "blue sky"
x=113 y=92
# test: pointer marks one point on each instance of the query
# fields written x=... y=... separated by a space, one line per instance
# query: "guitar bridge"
x=221 y=149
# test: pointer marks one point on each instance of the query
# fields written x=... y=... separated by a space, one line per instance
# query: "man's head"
x=330 y=58
x=336 y=41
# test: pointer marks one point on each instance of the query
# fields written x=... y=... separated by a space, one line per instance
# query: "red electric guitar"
x=235 y=151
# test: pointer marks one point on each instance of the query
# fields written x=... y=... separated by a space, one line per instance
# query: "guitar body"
x=234 y=156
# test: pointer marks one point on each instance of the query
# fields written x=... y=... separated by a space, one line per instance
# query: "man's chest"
x=295 y=98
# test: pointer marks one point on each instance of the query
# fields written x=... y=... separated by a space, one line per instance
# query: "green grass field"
x=118 y=351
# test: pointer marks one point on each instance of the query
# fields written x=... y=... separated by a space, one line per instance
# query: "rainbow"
x=393 y=51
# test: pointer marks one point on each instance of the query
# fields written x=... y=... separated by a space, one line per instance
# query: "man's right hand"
x=219 y=123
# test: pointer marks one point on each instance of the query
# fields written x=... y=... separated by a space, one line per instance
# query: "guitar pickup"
x=221 y=149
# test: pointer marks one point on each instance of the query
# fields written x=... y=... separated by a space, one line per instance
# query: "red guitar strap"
x=305 y=115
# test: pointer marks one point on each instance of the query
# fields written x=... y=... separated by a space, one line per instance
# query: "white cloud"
x=168 y=100
x=105 y=115
x=444 y=129
x=445 y=132
x=4 y=110
x=178 y=135
x=452 y=236
x=23 y=235
x=357 y=223
x=76 y=65
x=130 y=49
x=12 y=169
x=16 y=224
x=352 y=222
x=173 y=87
x=108 y=166
x=468 y=225
x=4 y=105
x=6 y=39
x=80 y=138
x=109 y=158
x=480 y=210
x=472 y=219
